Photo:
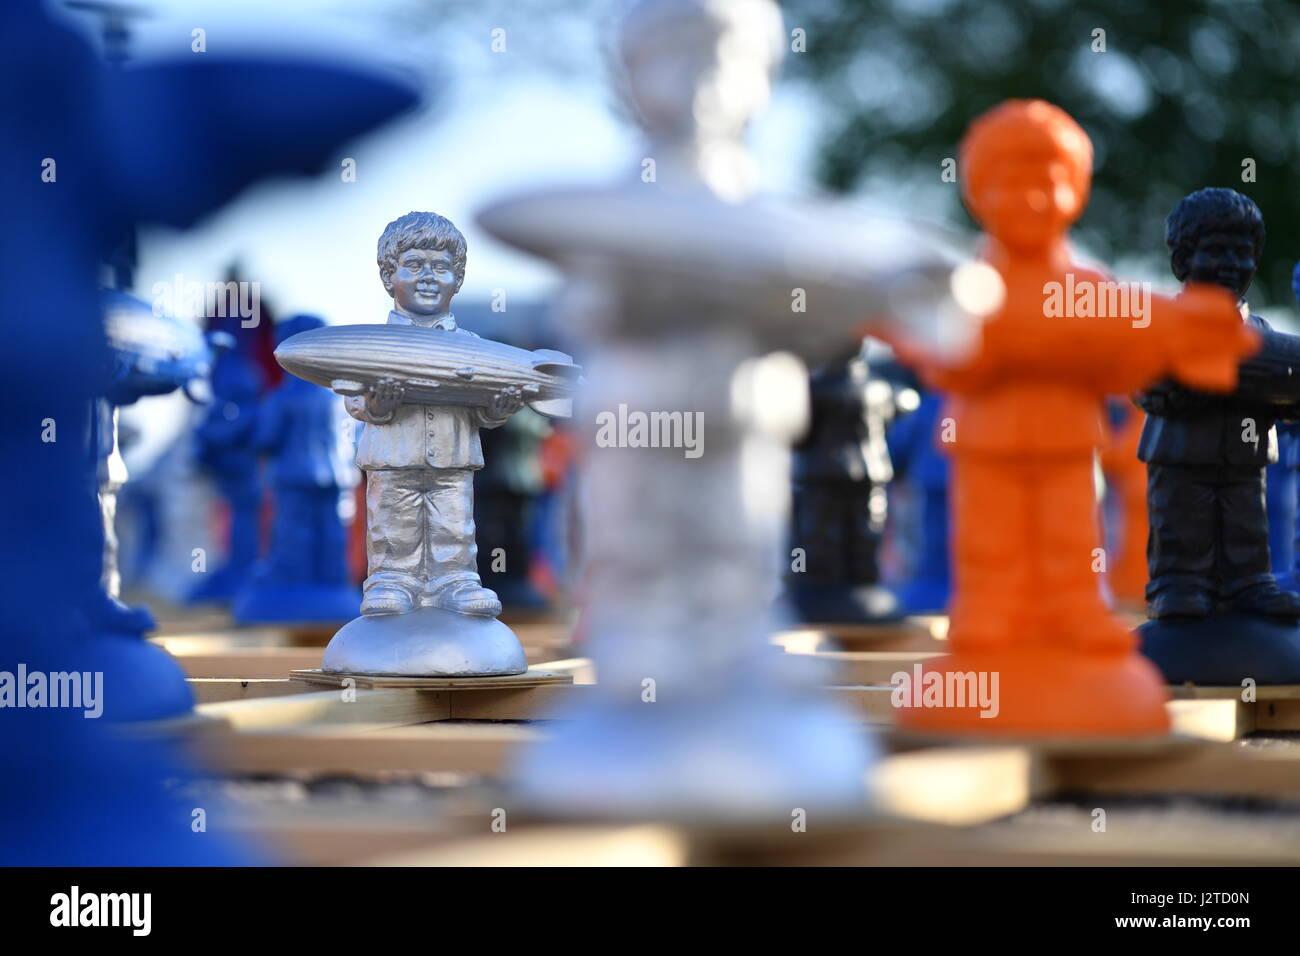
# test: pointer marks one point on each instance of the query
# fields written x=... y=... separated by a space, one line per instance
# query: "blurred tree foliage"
x=1184 y=93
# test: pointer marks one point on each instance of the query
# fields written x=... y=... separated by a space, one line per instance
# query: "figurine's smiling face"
x=424 y=282
x=1223 y=259
x=1028 y=200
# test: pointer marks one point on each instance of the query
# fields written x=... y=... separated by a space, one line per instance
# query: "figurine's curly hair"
x=420 y=230
x=1206 y=211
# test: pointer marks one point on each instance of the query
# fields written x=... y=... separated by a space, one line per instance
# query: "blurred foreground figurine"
x=841 y=467
x=1218 y=614
x=131 y=146
x=1027 y=611
x=423 y=386
x=305 y=432
x=151 y=355
x=679 y=281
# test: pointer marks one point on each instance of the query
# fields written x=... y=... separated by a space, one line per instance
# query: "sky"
x=538 y=113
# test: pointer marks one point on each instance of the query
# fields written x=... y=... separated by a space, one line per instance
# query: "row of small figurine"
x=259 y=430
x=873 y=423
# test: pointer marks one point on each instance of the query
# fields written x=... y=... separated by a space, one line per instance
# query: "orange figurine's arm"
x=1200 y=347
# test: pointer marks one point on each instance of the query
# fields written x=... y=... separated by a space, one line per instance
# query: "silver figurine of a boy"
x=420 y=460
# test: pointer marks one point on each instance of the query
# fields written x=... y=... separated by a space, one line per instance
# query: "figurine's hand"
x=506 y=402
x=384 y=396
x=1209 y=339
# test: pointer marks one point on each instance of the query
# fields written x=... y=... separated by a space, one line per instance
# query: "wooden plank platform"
x=923 y=633
x=213 y=690
x=879 y=845
x=533 y=677
x=477 y=748
x=265 y=709
x=1273 y=707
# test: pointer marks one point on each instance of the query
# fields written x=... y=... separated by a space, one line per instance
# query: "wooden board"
x=871 y=667
x=910 y=634
x=245 y=663
x=213 y=690
x=533 y=677
x=477 y=748
x=1211 y=768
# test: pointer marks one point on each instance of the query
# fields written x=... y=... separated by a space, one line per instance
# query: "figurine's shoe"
x=1179 y=603
x=386 y=599
x=1268 y=600
x=469 y=598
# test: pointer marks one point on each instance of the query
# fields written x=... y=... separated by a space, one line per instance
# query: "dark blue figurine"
x=304 y=431
x=87 y=152
x=841 y=467
x=922 y=469
x=1217 y=615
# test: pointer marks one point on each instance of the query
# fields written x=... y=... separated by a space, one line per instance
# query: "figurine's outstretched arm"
x=169 y=143
x=1200 y=346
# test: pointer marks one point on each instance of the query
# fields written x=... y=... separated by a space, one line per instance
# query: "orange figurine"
x=1028 y=619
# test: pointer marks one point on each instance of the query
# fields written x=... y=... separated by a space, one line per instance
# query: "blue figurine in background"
x=305 y=432
x=840 y=470
x=226 y=449
x=921 y=467
x=88 y=152
x=1282 y=485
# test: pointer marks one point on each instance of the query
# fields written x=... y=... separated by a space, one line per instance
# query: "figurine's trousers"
x=838 y=524
x=1209 y=528
x=1281 y=487
x=420 y=528
x=1026 y=544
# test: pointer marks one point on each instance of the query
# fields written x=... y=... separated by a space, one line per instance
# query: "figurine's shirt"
x=422 y=436
x=1212 y=430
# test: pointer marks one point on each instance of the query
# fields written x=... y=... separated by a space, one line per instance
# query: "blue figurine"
x=305 y=432
x=150 y=355
x=921 y=467
x=225 y=449
x=1282 y=484
x=88 y=153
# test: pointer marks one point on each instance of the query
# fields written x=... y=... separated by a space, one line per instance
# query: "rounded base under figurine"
x=864 y=604
x=426 y=642
x=1223 y=649
x=261 y=603
x=727 y=760
x=1039 y=692
x=141 y=680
